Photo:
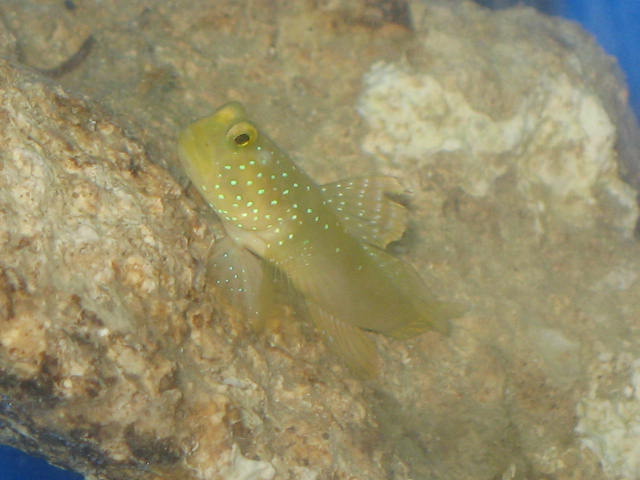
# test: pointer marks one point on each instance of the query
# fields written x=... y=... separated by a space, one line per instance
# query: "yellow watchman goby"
x=327 y=240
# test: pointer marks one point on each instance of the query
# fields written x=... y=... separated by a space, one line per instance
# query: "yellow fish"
x=327 y=240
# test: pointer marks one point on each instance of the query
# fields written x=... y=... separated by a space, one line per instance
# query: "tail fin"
x=426 y=312
x=435 y=315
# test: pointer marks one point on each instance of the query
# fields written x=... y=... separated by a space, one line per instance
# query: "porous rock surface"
x=118 y=359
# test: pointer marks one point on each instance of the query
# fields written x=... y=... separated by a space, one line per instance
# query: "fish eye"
x=242 y=139
x=242 y=134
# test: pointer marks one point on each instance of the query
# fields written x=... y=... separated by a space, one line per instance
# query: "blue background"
x=15 y=465
x=616 y=24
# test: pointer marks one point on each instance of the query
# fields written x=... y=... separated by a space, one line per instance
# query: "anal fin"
x=353 y=345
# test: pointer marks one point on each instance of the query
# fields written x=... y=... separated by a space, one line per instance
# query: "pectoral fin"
x=366 y=208
x=246 y=280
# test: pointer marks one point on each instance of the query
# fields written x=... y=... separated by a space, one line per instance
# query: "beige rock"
x=115 y=358
x=118 y=360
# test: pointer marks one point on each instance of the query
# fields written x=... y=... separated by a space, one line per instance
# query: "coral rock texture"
x=118 y=358
x=109 y=360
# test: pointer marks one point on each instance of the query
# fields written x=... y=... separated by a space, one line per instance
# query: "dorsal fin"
x=366 y=208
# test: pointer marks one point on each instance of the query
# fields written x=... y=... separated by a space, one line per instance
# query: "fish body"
x=328 y=240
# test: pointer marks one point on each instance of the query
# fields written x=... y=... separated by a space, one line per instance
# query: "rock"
x=119 y=360
x=115 y=358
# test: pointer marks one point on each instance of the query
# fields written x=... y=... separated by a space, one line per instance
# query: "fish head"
x=239 y=171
